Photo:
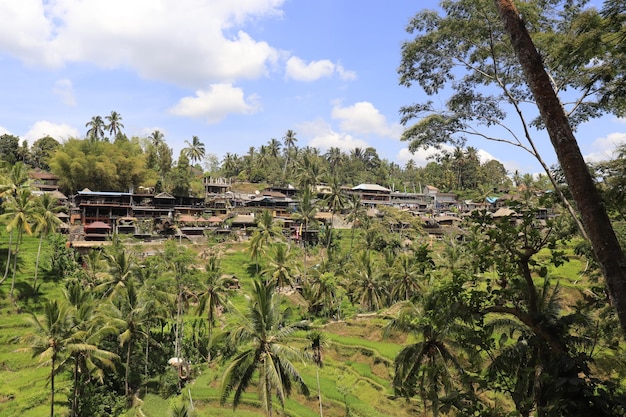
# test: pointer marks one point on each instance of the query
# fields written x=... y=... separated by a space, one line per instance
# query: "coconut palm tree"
x=131 y=312
x=336 y=201
x=290 y=142
x=267 y=232
x=405 y=278
x=432 y=366
x=121 y=265
x=19 y=212
x=96 y=128
x=306 y=216
x=114 y=124
x=280 y=267
x=368 y=287
x=319 y=341
x=266 y=353
x=46 y=221
x=89 y=359
x=212 y=298
x=51 y=339
x=356 y=215
x=195 y=149
x=9 y=185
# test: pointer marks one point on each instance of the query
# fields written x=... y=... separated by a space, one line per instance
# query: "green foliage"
x=100 y=166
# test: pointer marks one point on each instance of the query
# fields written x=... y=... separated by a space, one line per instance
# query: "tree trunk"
x=52 y=385
x=15 y=255
x=127 y=372
x=319 y=389
x=594 y=217
x=37 y=263
x=6 y=269
x=74 y=411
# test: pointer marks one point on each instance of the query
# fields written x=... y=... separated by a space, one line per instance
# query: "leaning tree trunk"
x=6 y=270
x=594 y=217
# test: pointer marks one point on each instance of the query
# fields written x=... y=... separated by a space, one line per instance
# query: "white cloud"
x=323 y=137
x=63 y=88
x=603 y=148
x=188 y=42
x=4 y=131
x=299 y=70
x=215 y=103
x=55 y=130
x=363 y=118
x=421 y=157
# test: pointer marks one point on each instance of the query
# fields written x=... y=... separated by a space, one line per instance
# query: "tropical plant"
x=280 y=267
x=266 y=354
x=19 y=211
x=194 y=150
x=114 y=125
x=213 y=296
x=45 y=211
x=319 y=341
x=131 y=312
x=52 y=339
x=96 y=128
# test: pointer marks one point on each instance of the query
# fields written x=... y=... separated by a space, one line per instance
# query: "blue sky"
x=233 y=73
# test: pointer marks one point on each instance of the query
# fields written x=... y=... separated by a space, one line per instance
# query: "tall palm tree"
x=46 y=220
x=324 y=290
x=51 y=339
x=230 y=165
x=290 y=142
x=89 y=359
x=368 y=287
x=96 y=128
x=19 y=211
x=309 y=171
x=267 y=353
x=114 y=124
x=335 y=200
x=405 y=278
x=212 y=298
x=280 y=267
x=195 y=149
x=334 y=156
x=131 y=312
x=16 y=180
x=306 y=216
x=273 y=147
x=267 y=231
x=431 y=366
x=319 y=341
x=121 y=265
x=157 y=138
x=356 y=214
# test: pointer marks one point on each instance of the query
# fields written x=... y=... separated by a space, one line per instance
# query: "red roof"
x=98 y=225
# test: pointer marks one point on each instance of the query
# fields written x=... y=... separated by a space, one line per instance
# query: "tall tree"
x=289 y=140
x=195 y=149
x=51 y=339
x=213 y=296
x=10 y=185
x=96 y=128
x=46 y=220
x=319 y=341
x=114 y=125
x=267 y=353
x=595 y=219
x=19 y=211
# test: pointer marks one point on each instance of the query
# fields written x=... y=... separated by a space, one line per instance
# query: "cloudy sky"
x=233 y=73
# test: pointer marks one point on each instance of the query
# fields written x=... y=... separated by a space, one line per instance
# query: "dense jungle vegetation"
x=506 y=316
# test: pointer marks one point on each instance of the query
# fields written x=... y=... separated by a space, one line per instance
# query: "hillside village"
x=227 y=209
